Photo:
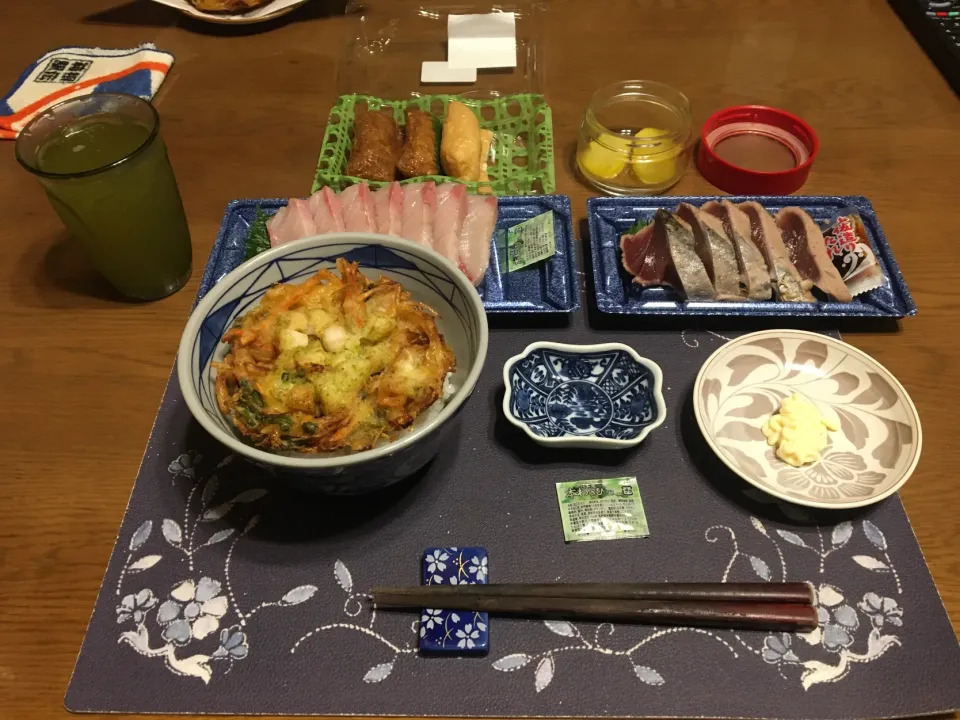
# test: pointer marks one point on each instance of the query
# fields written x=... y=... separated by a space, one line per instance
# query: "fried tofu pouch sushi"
x=376 y=147
x=419 y=155
x=460 y=144
x=486 y=141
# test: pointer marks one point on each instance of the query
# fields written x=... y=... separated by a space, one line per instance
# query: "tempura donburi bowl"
x=428 y=277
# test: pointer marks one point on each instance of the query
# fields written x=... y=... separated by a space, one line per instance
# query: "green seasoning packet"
x=601 y=509
x=531 y=241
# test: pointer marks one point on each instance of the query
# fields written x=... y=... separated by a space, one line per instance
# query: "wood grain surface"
x=242 y=114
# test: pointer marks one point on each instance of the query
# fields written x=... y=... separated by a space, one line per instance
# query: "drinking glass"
x=104 y=166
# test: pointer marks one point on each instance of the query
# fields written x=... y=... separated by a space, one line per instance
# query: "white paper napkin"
x=482 y=41
x=432 y=71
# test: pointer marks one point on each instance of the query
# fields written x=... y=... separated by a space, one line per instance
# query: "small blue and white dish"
x=583 y=396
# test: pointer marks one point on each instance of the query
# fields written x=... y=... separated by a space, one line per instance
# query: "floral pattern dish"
x=869 y=458
x=604 y=396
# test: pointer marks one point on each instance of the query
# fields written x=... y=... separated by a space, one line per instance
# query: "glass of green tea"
x=104 y=167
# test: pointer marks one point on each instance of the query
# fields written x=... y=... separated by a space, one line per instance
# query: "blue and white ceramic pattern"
x=454 y=632
x=428 y=277
x=604 y=396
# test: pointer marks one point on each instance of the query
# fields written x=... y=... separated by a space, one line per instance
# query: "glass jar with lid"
x=635 y=138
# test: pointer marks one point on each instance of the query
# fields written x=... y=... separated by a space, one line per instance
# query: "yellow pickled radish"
x=661 y=169
x=607 y=159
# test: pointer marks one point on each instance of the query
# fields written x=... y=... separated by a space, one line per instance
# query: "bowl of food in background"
x=808 y=419
x=234 y=12
x=338 y=361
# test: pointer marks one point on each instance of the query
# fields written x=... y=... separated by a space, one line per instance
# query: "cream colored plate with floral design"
x=869 y=458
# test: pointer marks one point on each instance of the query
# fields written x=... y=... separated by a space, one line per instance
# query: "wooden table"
x=242 y=115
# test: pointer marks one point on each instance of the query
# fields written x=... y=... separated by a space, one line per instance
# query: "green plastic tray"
x=523 y=141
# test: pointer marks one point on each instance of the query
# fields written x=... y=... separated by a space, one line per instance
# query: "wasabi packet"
x=529 y=242
x=608 y=509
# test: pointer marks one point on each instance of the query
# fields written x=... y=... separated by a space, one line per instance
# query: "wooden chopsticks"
x=759 y=606
x=736 y=592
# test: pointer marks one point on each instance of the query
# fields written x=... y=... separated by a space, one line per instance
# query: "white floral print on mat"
x=464 y=634
x=848 y=632
x=192 y=612
x=353 y=606
x=198 y=626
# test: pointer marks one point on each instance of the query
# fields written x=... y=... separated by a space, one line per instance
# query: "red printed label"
x=842 y=237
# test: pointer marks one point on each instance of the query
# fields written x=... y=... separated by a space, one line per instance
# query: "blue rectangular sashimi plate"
x=609 y=218
x=550 y=286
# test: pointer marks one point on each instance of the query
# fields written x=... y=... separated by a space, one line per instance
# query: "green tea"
x=92 y=143
x=129 y=217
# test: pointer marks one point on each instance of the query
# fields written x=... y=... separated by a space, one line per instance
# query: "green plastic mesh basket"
x=523 y=141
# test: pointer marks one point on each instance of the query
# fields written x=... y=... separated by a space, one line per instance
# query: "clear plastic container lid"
x=394 y=37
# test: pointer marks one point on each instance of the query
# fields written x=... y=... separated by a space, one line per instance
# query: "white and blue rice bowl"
x=426 y=275
x=602 y=396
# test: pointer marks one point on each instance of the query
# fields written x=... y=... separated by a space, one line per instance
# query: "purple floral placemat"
x=228 y=593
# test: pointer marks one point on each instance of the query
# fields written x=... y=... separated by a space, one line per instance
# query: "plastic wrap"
x=393 y=39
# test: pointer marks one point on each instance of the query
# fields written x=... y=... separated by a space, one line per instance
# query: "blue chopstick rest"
x=454 y=632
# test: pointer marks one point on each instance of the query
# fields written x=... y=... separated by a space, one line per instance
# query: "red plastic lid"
x=756 y=150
